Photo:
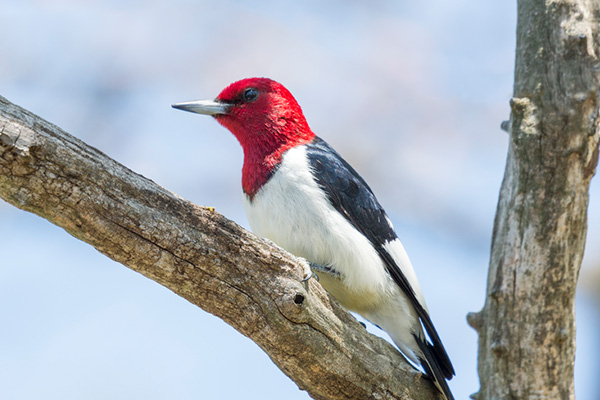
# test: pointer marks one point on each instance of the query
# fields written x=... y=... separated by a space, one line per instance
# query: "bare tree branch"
x=205 y=258
x=527 y=326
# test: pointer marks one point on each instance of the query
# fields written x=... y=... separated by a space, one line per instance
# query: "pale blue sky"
x=411 y=93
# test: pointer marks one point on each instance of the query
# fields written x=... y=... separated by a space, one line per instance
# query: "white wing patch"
x=396 y=250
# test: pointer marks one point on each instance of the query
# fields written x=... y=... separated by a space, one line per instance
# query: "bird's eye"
x=250 y=95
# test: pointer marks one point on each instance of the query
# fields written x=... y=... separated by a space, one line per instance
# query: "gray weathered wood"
x=202 y=256
x=527 y=325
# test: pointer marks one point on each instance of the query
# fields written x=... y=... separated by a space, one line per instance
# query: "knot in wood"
x=499 y=347
x=299 y=299
x=475 y=320
x=293 y=302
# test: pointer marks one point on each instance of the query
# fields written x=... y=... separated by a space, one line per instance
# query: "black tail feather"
x=439 y=353
x=437 y=349
x=438 y=372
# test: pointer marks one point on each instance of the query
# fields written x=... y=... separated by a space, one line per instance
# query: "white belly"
x=292 y=211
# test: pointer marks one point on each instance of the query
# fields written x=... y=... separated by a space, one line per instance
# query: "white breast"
x=292 y=211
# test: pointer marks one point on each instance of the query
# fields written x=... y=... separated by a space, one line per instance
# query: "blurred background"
x=411 y=93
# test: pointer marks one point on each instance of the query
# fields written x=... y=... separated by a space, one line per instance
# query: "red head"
x=264 y=117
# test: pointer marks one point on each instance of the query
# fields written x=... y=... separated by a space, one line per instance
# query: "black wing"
x=353 y=198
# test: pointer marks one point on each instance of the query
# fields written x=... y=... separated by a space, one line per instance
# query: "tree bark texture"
x=527 y=325
x=205 y=258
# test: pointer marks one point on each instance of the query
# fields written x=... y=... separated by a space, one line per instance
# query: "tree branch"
x=205 y=258
x=527 y=325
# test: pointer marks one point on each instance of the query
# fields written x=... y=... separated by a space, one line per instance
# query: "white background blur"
x=411 y=93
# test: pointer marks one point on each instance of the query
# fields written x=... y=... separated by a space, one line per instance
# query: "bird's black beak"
x=207 y=107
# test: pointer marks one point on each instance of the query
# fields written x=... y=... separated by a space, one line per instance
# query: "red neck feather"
x=265 y=128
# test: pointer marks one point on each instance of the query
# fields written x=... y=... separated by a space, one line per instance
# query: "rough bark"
x=205 y=258
x=527 y=325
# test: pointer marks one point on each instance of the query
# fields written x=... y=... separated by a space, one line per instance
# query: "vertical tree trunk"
x=527 y=325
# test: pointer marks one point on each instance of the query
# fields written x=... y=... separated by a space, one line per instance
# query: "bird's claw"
x=328 y=271
x=311 y=275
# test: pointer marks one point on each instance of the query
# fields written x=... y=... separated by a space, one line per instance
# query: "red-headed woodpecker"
x=301 y=194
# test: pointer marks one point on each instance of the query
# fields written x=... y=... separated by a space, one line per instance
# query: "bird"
x=302 y=195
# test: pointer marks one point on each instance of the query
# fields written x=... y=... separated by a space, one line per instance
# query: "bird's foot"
x=311 y=274
x=322 y=269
